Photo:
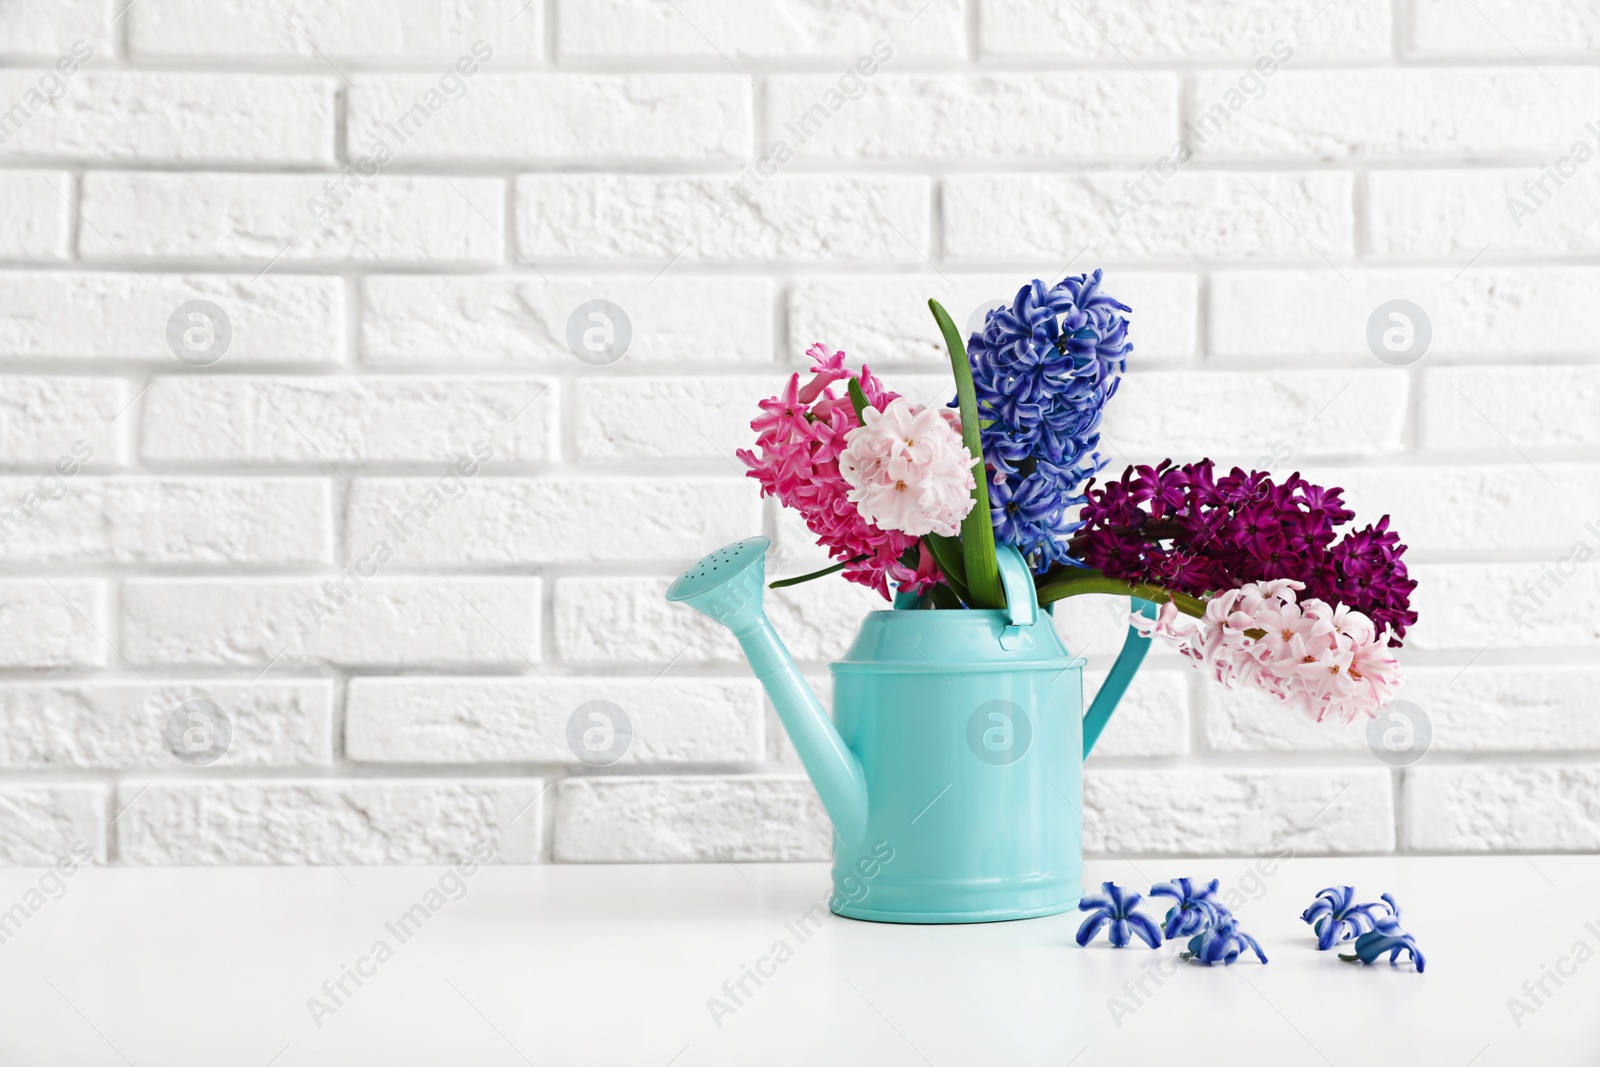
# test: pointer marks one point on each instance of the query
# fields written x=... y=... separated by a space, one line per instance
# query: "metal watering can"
x=953 y=768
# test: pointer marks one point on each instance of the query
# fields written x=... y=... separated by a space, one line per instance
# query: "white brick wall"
x=401 y=534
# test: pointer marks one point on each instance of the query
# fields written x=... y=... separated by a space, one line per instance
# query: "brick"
x=42 y=420
x=557 y=117
x=81 y=315
x=1487 y=410
x=987 y=116
x=1540 y=27
x=815 y=218
x=37 y=208
x=1176 y=30
x=1470 y=709
x=327 y=823
x=629 y=620
x=49 y=28
x=1509 y=311
x=1460 y=214
x=885 y=320
x=360 y=30
x=1476 y=508
x=267 y=218
x=792 y=29
x=1151 y=720
x=89 y=725
x=52 y=622
x=553 y=520
x=41 y=822
x=366 y=419
x=178 y=118
x=729 y=819
x=1479 y=606
x=524 y=318
x=1385 y=112
x=1197 y=812
x=694 y=418
x=383 y=622
x=1181 y=413
x=82 y=520
x=525 y=720
x=1104 y=216
x=1497 y=808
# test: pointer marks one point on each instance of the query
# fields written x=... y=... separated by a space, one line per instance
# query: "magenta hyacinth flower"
x=1116 y=907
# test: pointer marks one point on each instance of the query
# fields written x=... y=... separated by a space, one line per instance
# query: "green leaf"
x=858 y=399
x=947 y=553
x=942 y=597
x=977 y=529
x=823 y=573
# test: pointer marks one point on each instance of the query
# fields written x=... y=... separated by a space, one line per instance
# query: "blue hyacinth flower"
x=1335 y=917
x=1116 y=906
x=1222 y=943
x=1043 y=369
x=1386 y=936
x=1194 y=911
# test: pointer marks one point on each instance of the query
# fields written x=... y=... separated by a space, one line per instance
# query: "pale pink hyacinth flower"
x=908 y=469
x=1328 y=661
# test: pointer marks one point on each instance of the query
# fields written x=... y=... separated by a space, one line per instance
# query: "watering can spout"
x=727 y=586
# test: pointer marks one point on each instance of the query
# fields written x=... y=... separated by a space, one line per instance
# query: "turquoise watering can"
x=953 y=767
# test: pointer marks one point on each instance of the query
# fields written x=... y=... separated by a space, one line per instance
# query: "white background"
x=373 y=345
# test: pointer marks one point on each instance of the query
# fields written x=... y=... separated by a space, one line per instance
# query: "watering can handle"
x=1134 y=647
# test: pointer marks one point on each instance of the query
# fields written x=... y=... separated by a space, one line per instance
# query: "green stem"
x=1095 y=582
x=823 y=573
x=977 y=529
x=947 y=553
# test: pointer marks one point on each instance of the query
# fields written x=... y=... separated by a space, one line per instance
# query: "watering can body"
x=952 y=767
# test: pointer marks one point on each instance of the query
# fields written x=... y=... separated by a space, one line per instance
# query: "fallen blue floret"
x=1222 y=944
x=1335 y=917
x=1194 y=911
x=1116 y=907
x=1387 y=936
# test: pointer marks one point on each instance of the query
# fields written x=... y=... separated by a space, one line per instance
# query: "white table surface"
x=615 y=965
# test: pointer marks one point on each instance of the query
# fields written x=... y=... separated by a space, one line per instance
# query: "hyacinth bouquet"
x=1255 y=580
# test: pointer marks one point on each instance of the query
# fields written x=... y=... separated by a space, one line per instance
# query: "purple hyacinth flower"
x=1223 y=944
x=1116 y=906
x=1335 y=917
x=1195 y=910
x=1386 y=936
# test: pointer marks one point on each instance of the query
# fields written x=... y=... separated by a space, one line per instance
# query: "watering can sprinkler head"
x=727 y=586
